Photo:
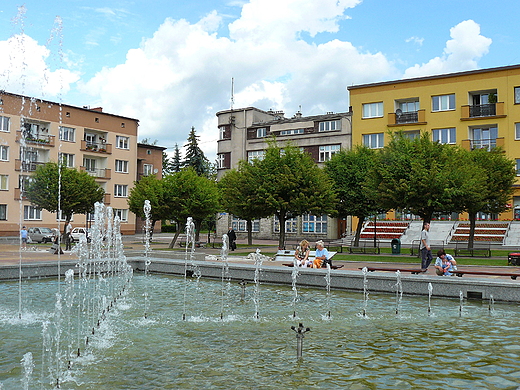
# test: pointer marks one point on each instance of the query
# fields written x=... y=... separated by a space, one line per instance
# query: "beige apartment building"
x=474 y=109
x=34 y=131
x=242 y=136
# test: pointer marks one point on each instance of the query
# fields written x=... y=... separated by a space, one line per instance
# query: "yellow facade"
x=482 y=106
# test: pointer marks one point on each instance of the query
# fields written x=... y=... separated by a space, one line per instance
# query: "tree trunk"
x=249 y=224
x=472 y=223
x=361 y=221
x=175 y=237
x=281 y=240
x=197 y=230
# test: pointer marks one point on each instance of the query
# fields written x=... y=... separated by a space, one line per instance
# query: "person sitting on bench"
x=302 y=254
x=445 y=263
x=322 y=255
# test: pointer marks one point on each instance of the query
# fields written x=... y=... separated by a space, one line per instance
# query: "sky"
x=170 y=63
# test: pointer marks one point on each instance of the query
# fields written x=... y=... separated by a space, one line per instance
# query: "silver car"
x=41 y=234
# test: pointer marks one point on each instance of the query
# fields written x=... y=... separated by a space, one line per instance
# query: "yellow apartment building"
x=34 y=131
x=474 y=109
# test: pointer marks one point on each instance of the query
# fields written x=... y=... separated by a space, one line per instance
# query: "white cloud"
x=417 y=40
x=462 y=52
x=24 y=69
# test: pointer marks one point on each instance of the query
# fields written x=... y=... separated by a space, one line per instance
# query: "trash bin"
x=396 y=246
x=513 y=259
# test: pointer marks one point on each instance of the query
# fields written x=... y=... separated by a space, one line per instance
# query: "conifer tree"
x=195 y=156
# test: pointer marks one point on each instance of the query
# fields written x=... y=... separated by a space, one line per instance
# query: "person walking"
x=68 y=237
x=232 y=237
x=424 y=247
x=24 y=236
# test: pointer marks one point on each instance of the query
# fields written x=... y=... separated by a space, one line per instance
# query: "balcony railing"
x=482 y=110
x=483 y=143
x=411 y=117
x=406 y=117
x=97 y=147
x=101 y=173
x=39 y=139
x=26 y=166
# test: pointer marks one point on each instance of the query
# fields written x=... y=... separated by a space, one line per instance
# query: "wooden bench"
x=288 y=255
x=460 y=273
x=413 y=271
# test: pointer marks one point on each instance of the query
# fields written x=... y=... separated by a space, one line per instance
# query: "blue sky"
x=170 y=63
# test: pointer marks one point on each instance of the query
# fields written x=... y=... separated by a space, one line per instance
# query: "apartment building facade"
x=34 y=132
x=243 y=135
x=474 y=109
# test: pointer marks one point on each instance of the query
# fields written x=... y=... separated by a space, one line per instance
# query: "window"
x=444 y=136
x=4 y=153
x=120 y=190
x=408 y=106
x=517 y=95
x=31 y=213
x=484 y=138
x=443 y=102
x=221 y=158
x=3 y=212
x=147 y=169
x=67 y=159
x=122 y=214
x=518 y=167
x=330 y=125
x=292 y=132
x=291 y=225
x=221 y=133
x=89 y=164
x=261 y=132
x=327 y=151
x=373 y=141
x=4 y=123
x=122 y=142
x=314 y=223
x=122 y=166
x=67 y=134
x=517 y=130
x=373 y=110
x=255 y=154
x=240 y=225
x=412 y=134
x=4 y=182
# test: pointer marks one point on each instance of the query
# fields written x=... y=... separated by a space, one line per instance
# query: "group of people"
x=303 y=251
x=67 y=237
x=445 y=264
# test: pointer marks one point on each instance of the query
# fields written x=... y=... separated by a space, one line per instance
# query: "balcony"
x=106 y=199
x=101 y=173
x=40 y=139
x=26 y=166
x=407 y=118
x=17 y=193
x=471 y=144
x=96 y=147
x=482 y=111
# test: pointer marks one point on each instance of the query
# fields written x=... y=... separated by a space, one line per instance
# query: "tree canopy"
x=76 y=194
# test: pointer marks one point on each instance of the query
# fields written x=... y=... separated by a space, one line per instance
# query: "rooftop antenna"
x=232 y=92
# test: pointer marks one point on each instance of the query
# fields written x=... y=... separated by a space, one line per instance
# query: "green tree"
x=417 y=175
x=173 y=164
x=190 y=195
x=76 y=194
x=349 y=171
x=291 y=184
x=239 y=195
x=149 y=188
x=195 y=157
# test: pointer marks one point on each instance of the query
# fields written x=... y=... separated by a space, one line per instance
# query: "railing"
x=26 y=166
x=479 y=110
x=101 y=173
x=98 y=147
x=40 y=139
x=407 y=117
x=488 y=143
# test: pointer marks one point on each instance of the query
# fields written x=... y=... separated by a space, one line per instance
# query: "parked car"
x=77 y=232
x=41 y=234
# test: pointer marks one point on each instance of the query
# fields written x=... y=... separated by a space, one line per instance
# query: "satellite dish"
x=398 y=112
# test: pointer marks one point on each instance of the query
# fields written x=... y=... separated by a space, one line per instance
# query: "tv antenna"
x=232 y=92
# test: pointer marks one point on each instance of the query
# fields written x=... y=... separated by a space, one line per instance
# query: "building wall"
x=246 y=130
x=46 y=143
x=501 y=81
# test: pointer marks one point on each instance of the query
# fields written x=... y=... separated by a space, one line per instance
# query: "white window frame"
x=32 y=213
x=68 y=158
x=4 y=182
x=221 y=157
x=122 y=214
x=517 y=95
x=314 y=223
x=221 y=133
x=122 y=142
x=261 y=132
x=147 y=169
x=120 y=190
x=291 y=225
x=327 y=151
x=292 y=132
x=255 y=155
x=4 y=153
x=67 y=134
x=5 y=122
x=518 y=167
x=443 y=103
x=445 y=136
x=3 y=212
x=121 y=166
x=329 y=125
x=240 y=225
x=373 y=110
x=90 y=164
x=374 y=140
x=517 y=131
